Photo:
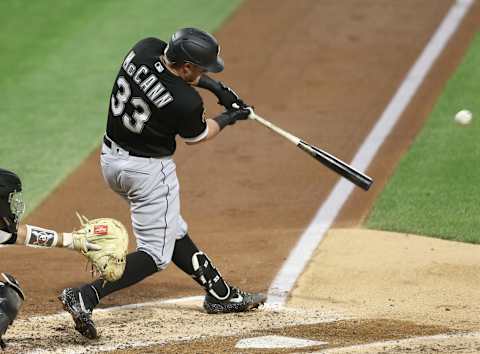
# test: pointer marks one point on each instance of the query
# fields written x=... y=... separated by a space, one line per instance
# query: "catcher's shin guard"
x=11 y=300
x=4 y=323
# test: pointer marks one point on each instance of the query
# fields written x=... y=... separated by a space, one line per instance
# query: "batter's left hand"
x=229 y=98
x=226 y=96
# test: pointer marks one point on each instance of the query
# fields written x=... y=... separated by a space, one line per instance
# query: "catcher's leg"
x=11 y=300
x=221 y=297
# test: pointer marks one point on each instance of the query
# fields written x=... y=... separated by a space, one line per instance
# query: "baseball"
x=463 y=117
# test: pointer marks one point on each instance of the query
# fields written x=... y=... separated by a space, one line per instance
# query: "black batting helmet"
x=191 y=45
x=12 y=206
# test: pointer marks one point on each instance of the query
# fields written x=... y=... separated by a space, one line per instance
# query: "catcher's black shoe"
x=237 y=301
x=72 y=301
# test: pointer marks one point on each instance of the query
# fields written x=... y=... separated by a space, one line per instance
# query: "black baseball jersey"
x=150 y=105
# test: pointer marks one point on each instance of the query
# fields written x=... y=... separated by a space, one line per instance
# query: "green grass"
x=58 y=61
x=435 y=190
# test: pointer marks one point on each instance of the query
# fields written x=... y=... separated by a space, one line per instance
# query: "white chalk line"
x=313 y=235
x=155 y=303
x=437 y=339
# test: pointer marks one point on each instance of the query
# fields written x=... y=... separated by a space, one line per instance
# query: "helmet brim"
x=217 y=66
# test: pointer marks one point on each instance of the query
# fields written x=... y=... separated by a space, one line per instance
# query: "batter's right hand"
x=230 y=116
x=241 y=113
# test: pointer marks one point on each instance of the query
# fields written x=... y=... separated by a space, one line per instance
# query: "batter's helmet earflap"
x=11 y=300
x=191 y=45
x=12 y=206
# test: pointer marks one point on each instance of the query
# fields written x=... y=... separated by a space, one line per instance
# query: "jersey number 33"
x=141 y=112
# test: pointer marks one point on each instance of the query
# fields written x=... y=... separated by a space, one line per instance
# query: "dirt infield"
x=375 y=274
x=363 y=292
x=324 y=70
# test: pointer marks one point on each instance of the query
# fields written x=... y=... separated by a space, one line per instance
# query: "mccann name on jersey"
x=148 y=82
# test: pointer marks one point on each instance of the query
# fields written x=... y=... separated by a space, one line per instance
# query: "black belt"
x=108 y=142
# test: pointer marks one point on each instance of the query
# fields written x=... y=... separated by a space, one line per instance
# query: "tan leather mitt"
x=110 y=244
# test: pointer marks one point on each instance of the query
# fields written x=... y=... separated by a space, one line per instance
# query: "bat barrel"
x=356 y=177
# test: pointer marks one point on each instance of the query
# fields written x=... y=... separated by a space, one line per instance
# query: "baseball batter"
x=153 y=100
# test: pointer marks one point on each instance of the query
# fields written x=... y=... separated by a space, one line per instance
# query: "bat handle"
x=273 y=127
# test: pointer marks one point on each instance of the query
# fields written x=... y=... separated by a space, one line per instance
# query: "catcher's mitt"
x=111 y=237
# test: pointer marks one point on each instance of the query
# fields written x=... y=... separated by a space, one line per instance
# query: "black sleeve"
x=150 y=42
x=192 y=126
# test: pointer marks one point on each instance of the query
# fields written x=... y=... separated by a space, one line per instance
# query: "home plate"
x=276 y=342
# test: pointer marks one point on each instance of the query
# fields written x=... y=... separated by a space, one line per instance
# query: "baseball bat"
x=343 y=169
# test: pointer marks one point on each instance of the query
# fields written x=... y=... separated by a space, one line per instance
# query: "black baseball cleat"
x=237 y=301
x=73 y=303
